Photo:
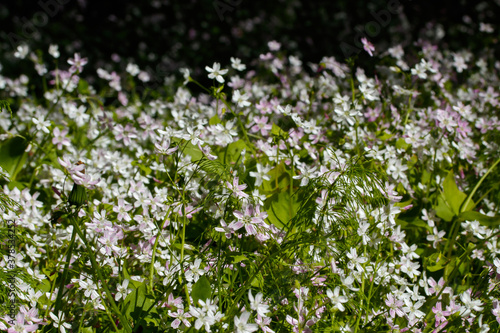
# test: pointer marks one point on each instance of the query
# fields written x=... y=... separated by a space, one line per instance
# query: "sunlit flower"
x=215 y=72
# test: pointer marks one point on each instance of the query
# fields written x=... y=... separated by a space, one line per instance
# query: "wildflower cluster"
x=290 y=196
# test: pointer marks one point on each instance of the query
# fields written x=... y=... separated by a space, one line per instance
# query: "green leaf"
x=83 y=87
x=140 y=305
x=258 y=281
x=281 y=208
x=278 y=175
x=278 y=132
x=489 y=221
x=87 y=330
x=435 y=262
x=233 y=151
x=450 y=267
x=13 y=156
x=239 y=258
x=443 y=210
x=453 y=195
x=413 y=223
x=201 y=290
x=384 y=136
x=401 y=143
x=214 y=120
x=192 y=151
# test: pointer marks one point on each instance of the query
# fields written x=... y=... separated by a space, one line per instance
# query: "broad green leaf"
x=87 y=330
x=258 y=281
x=489 y=221
x=13 y=156
x=401 y=143
x=384 y=136
x=214 y=120
x=453 y=195
x=141 y=305
x=414 y=223
x=192 y=151
x=450 y=267
x=278 y=132
x=45 y=285
x=403 y=203
x=443 y=210
x=201 y=290
x=233 y=151
x=83 y=87
x=281 y=208
x=239 y=258
x=435 y=262
x=279 y=176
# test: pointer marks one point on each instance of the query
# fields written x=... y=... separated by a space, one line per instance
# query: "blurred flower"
x=367 y=46
x=54 y=50
x=21 y=51
x=236 y=64
x=77 y=63
x=42 y=125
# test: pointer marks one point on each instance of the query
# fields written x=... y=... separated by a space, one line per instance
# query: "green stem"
x=469 y=198
x=65 y=274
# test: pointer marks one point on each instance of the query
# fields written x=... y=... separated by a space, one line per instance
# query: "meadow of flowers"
x=282 y=197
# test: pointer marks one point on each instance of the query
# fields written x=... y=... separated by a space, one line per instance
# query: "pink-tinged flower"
x=72 y=168
x=367 y=46
x=60 y=138
x=435 y=286
x=206 y=151
x=122 y=209
x=440 y=314
x=77 y=63
x=446 y=120
x=274 y=45
x=227 y=230
x=31 y=315
x=20 y=325
x=261 y=124
x=181 y=317
x=173 y=302
x=496 y=311
x=163 y=147
x=237 y=189
x=125 y=133
x=394 y=306
x=247 y=220
x=463 y=128
x=109 y=242
x=263 y=322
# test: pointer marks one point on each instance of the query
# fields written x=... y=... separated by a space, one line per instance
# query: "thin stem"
x=469 y=198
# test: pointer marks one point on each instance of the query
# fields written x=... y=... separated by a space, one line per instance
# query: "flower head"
x=215 y=72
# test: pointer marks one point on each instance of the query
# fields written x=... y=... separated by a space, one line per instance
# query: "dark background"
x=192 y=33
